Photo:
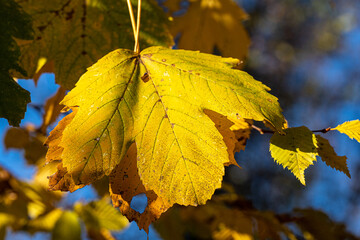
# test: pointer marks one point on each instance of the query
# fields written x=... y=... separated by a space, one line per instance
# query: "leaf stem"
x=131 y=13
x=137 y=47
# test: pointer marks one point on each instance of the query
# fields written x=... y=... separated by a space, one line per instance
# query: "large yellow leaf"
x=329 y=156
x=157 y=99
x=296 y=150
x=351 y=128
x=73 y=34
x=213 y=24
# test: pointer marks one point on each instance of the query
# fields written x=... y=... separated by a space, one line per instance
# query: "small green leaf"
x=296 y=150
x=351 y=128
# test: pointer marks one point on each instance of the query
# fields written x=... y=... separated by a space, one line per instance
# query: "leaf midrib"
x=176 y=138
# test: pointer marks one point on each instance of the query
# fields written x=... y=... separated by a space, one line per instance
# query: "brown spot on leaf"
x=145 y=77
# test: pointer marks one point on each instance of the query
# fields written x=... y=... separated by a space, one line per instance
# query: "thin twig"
x=136 y=48
x=325 y=130
x=262 y=131
x=133 y=24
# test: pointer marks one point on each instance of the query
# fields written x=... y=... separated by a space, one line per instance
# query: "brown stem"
x=262 y=131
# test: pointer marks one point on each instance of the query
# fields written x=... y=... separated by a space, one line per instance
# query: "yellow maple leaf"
x=157 y=99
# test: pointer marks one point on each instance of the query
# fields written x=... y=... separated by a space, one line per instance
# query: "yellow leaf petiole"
x=135 y=26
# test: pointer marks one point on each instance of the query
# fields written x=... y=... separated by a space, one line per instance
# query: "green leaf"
x=329 y=156
x=67 y=227
x=351 y=128
x=157 y=99
x=74 y=34
x=296 y=150
x=13 y=98
x=101 y=214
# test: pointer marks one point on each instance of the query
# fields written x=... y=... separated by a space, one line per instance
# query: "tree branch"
x=262 y=131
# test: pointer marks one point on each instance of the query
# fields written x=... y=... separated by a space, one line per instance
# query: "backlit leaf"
x=61 y=179
x=329 y=156
x=52 y=109
x=234 y=135
x=72 y=35
x=67 y=227
x=125 y=184
x=351 y=128
x=45 y=222
x=44 y=66
x=209 y=25
x=157 y=99
x=13 y=98
x=296 y=150
x=100 y=215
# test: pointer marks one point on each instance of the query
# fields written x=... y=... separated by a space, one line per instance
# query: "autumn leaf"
x=329 y=156
x=13 y=98
x=351 y=128
x=100 y=217
x=16 y=138
x=125 y=184
x=224 y=217
x=72 y=35
x=67 y=227
x=61 y=179
x=43 y=66
x=296 y=150
x=235 y=133
x=52 y=109
x=209 y=25
x=317 y=225
x=157 y=99
x=172 y=5
x=29 y=141
x=26 y=206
